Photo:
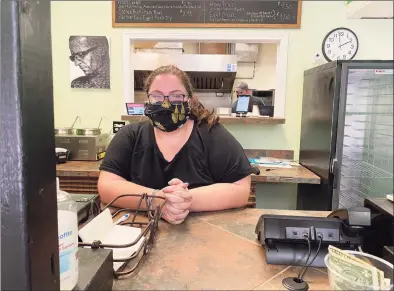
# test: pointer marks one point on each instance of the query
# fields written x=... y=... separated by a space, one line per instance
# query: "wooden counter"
x=296 y=174
x=223 y=119
x=81 y=177
x=78 y=169
x=215 y=251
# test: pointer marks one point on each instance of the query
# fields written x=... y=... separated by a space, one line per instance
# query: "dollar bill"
x=335 y=251
x=387 y=283
x=382 y=284
x=354 y=273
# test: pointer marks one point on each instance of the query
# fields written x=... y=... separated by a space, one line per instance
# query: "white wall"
x=95 y=18
x=261 y=74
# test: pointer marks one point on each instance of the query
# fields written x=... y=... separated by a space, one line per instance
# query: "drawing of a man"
x=91 y=55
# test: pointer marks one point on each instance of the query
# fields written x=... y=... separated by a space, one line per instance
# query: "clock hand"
x=340 y=46
x=344 y=43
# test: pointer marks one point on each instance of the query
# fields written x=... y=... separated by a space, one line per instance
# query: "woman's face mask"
x=166 y=116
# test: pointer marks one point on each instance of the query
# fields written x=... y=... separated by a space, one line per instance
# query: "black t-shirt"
x=208 y=157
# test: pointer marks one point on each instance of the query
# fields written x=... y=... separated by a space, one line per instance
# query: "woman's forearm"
x=219 y=197
x=111 y=186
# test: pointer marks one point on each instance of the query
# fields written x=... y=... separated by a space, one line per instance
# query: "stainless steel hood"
x=208 y=73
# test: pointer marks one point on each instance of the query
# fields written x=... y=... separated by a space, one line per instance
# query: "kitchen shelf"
x=223 y=119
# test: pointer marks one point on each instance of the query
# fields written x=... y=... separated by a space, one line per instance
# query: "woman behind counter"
x=182 y=153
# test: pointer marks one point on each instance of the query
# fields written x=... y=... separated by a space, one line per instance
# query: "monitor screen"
x=135 y=108
x=242 y=104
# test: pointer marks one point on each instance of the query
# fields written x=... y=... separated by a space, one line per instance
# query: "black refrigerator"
x=347 y=133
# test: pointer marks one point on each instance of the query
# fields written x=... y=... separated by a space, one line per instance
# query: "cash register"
x=288 y=239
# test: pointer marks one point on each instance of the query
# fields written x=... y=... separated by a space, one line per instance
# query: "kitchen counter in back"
x=81 y=176
x=223 y=119
x=295 y=174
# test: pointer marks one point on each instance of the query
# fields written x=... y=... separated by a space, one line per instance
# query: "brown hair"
x=196 y=108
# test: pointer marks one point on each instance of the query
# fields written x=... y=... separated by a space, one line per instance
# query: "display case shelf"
x=361 y=169
x=367 y=153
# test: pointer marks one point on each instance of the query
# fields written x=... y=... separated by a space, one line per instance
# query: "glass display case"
x=367 y=157
x=347 y=133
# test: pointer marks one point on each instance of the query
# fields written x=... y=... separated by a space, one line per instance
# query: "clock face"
x=340 y=44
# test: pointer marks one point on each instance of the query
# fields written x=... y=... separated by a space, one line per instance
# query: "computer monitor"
x=135 y=108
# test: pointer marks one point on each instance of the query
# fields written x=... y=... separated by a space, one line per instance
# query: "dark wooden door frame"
x=29 y=245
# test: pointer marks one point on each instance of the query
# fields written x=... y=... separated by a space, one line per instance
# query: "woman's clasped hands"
x=178 y=201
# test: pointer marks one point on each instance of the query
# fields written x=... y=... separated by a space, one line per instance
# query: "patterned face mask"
x=167 y=117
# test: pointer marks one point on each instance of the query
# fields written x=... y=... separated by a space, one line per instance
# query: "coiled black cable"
x=304 y=269
x=297 y=283
x=307 y=259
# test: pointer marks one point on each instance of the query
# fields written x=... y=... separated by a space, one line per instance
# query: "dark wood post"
x=29 y=245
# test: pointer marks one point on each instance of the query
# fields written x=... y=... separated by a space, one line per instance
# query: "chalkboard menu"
x=206 y=13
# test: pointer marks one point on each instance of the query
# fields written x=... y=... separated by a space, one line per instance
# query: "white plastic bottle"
x=68 y=239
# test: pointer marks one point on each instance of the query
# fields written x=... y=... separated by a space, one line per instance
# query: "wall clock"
x=340 y=44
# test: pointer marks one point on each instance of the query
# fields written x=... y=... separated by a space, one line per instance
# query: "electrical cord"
x=307 y=259
x=297 y=283
x=313 y=259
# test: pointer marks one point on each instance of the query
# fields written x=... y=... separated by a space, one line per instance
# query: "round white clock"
x=340 y=44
